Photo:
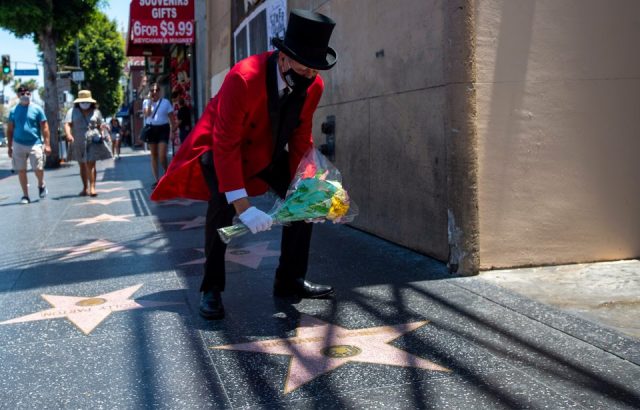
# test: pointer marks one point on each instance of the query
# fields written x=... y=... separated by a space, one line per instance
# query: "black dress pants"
x=296 y=237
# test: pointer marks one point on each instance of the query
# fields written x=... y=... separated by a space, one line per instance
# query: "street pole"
x=78 y=62
x=4 y=135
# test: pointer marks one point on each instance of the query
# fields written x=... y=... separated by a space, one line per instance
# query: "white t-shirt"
x=162 y=114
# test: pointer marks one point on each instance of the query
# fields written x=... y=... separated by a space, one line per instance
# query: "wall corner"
x=461 y=137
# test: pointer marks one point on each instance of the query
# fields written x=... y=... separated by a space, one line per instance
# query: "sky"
x=24 y=53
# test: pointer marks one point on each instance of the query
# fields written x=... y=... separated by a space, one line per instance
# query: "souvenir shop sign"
x=162 y=22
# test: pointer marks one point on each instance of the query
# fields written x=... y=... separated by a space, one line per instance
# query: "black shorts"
x=159 y=133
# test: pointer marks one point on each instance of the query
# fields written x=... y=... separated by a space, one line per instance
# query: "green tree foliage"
x=6 y=78
x=101 y=52
x=29 y=84
x=47 y=22
x=27 y=18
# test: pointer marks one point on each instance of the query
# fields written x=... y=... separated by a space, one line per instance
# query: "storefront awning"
x=124 y=111
x=155 y=24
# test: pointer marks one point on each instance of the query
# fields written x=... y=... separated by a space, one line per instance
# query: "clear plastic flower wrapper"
x=315 y=194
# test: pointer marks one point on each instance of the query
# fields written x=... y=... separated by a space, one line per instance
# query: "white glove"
x=256 y=220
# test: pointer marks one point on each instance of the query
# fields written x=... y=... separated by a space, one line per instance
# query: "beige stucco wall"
x=219 y=44
x=558 y=86
x=388 y=93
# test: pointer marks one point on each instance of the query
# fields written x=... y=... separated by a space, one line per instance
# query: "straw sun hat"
x=84 y=96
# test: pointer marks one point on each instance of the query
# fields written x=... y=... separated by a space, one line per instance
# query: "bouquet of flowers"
x=316 y=194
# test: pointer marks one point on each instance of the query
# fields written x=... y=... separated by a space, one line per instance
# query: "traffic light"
x=6 y=64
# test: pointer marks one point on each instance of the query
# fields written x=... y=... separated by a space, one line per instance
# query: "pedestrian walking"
x=77 y=124
x=28 y=139
x=115 y=131
x=158 y=113
x=252 y=137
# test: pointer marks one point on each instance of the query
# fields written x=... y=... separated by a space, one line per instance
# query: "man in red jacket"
x=252 y=136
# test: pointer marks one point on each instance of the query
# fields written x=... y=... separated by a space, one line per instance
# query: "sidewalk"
x=99 y=300
x=604 y=292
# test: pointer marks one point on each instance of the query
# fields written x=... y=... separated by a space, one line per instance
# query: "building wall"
x=137 y=77
x=200 y=64
x=388 y=95
x=558 y=130
x=220 y=43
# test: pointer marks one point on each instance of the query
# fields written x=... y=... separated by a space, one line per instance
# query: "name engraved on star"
x=121 y=306
x=361 y=333
x=64 y=312
x=286 y=342
x=111 y=307
x=302 y=340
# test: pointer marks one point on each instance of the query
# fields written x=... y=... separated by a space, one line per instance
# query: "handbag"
x=145 y=133
x=96 y=138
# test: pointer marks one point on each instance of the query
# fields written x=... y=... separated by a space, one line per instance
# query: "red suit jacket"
x=236 y=126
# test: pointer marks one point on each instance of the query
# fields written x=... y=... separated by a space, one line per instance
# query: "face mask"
x=85 y=105
x=297 y=82
x=24 y=99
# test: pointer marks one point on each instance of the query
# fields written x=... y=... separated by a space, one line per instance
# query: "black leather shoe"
x=302 y=289
x=211 y=307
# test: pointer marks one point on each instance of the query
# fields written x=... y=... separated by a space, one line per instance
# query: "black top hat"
x=307 y=39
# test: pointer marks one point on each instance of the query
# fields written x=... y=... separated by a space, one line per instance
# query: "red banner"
x=161 y=22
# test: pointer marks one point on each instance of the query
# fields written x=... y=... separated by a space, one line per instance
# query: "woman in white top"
x=158 y=112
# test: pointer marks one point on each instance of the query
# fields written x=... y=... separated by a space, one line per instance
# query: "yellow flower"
x=339 y=205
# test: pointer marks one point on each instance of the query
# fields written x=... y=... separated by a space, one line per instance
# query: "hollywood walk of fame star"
x=104 y=201
x=87 y=313
x=107 y=190
x=99 y=245
x=320 y=347
x=250 y=256
x=197 y=222
x=101 y=218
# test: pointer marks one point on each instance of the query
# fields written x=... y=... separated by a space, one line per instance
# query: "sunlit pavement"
x=99 y=301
